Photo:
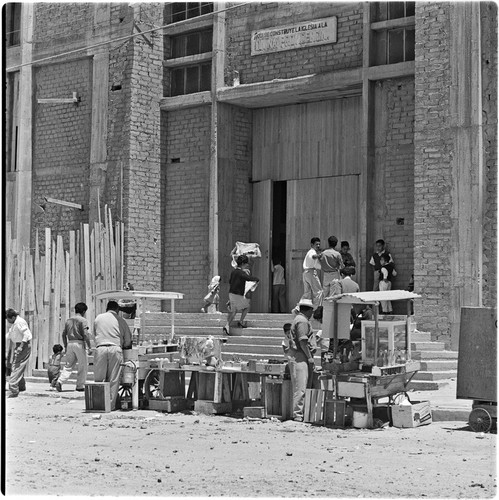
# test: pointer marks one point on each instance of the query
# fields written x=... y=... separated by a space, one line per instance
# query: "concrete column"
x=467 y=161
x=25 y=153
x=217 y=81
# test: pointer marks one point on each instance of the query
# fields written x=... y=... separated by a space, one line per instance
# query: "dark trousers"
x=279 y=298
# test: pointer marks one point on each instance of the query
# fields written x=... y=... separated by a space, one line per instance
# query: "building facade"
x=200 y=125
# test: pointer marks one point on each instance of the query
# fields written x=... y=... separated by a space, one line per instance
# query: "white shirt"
x=309 y=262
x=19 y=331
x=278 y=271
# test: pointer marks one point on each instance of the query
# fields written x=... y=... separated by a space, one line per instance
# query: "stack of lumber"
x=45 y=282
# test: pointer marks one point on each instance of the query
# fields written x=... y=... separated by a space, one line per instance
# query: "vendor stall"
x=137 y=360
x=385 y=367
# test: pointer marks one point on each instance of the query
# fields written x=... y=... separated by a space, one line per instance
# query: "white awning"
x=373 y=297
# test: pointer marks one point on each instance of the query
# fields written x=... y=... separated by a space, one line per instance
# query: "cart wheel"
x=151 y=385
x=480 y=420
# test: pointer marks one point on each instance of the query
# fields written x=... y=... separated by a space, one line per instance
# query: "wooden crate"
x=313 y=406
x=170 y=405
x=278 y=398
x=211 y=407
x=334 y=413
x=254 y=411
x=97 y=397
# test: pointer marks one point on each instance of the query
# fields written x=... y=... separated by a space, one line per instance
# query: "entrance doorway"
x=286 y=214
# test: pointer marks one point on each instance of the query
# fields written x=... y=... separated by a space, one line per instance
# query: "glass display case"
x=392 y=338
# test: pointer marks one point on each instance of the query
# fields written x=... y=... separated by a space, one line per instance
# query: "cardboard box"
x=413 y=415
x=97 y=397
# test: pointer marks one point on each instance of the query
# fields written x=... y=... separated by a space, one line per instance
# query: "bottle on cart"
x=380 y=358
x=385 y=358
x=403 y=357
x=391 y=358
x=398 y=357
x=135 y=337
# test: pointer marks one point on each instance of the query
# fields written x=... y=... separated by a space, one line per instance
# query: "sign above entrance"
x=294 y=36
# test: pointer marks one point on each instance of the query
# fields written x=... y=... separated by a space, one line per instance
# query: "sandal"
x=225 y=331
x=242 y=325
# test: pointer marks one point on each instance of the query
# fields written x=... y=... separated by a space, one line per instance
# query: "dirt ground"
x=54 y=448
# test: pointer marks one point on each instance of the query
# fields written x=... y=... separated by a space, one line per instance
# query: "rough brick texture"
x=185 y=229
x=142 y=188
x=61 y=24
x=434 y=151
x=394 y=177
x=235 y=192
x=345 y=53
x=61 y=145
x=489 y=102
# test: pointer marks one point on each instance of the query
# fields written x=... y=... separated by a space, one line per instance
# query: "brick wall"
x=142 y=190
x=345 y=53
x=186 y=137
x=59 y=24
x=489 y=102
x=61 y=146
x=394 y=178
x=432 y=169
x=234 y=188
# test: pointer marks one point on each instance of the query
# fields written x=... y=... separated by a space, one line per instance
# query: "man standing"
x=312 y=288
x=301 y=356
x=375 y=262
x=75 y=337
x=278 y=288
x=20 y=334
x=348 y=260
x=331 y=263
x=112 y=335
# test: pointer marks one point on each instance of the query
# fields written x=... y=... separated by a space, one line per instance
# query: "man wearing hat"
x=301 y=356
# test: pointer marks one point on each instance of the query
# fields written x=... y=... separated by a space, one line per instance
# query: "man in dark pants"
x=301 y=356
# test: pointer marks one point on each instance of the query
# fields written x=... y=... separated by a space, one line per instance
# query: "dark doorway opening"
x=278 y=237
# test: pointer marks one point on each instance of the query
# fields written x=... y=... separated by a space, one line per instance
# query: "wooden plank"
x=217 y=393
x=226 y=397
x=88 y=279
x=261 y=234
x=67 y=281
x=54 y=335
x=112 y=253
x=30 y=281
x=72 y=270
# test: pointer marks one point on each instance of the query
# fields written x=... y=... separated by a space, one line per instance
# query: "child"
x=212 y=298
x=385 y=280
x=54 y=368
x=376 y=262
x=288 y=344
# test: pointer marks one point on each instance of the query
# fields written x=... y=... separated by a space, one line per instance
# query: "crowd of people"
x=110 y=335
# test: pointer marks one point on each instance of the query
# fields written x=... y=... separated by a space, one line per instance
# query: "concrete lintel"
x=387 y=71
x=185 y=101
x=300 y=89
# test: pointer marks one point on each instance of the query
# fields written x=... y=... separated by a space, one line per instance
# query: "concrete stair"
x=262 y=340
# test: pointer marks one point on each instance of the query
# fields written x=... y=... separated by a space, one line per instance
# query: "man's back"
x=107 y=329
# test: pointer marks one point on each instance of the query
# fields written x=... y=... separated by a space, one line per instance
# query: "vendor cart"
x=375 y=378
x=139 y=356
x=477 y=365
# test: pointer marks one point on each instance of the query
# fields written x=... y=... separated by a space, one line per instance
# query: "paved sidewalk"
x=444 y=404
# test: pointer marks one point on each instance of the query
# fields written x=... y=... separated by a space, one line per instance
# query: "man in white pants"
x=112 y=335
x=312 y=288
x=20 y=334
x=75 y=337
